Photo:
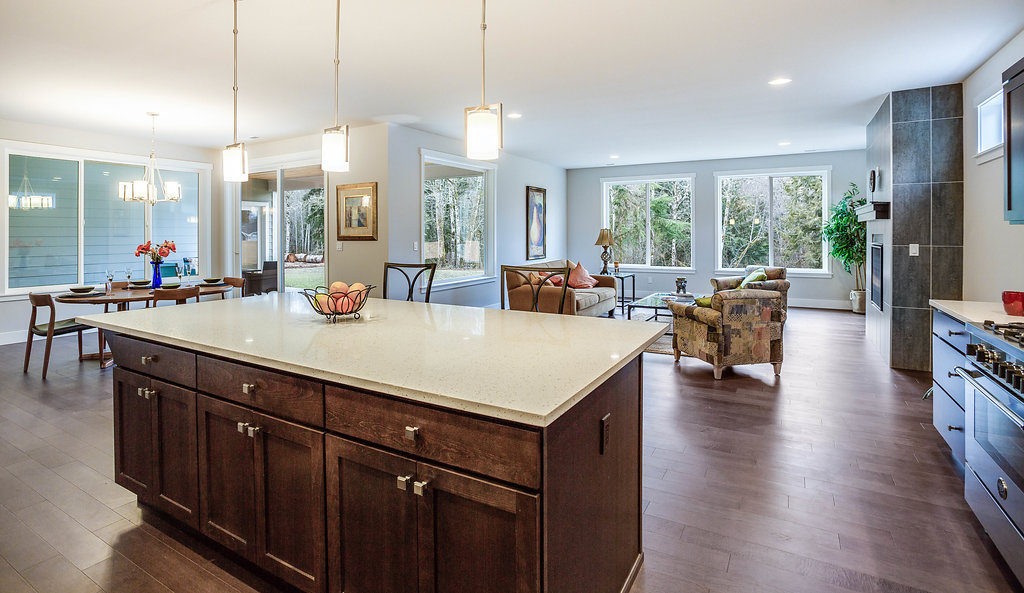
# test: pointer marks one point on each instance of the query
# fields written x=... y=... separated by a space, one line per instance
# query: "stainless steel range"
x=994 y=483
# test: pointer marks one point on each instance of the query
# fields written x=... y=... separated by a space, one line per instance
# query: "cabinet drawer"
x=286 y=396
x=944 y=359
x=948 y=419
x=503 y=452
x=950 y=330
x=156 y=360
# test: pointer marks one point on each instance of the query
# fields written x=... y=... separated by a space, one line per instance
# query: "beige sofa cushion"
x=588 y=297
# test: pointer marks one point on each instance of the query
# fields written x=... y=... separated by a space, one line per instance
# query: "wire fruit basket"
x=337 y=305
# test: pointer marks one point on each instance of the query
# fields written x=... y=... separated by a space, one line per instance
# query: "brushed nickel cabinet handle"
x=1001 y=488
x=411 y=432
x=148 y=393
x=242 y=426
x=403 y=482
x=419 y=487
x=252 y=431
x=951 y=374
x=148 y=359
x=953 y=333
x=140 y=391
x=248 y=388
x=951 y=427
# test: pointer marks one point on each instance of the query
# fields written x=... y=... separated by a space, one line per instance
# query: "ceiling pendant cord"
x=234 y=87
x=337 y=60
x=483 y=52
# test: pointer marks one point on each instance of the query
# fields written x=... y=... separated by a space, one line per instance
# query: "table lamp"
x=604 y=239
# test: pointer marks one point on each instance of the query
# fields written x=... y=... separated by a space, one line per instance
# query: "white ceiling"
x=649 y=80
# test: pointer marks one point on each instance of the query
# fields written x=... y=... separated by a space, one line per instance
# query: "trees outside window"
x=772 y=220
x=651 y=221
x=455 y=221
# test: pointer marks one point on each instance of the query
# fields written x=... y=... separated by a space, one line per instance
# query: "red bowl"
x=1013 y=302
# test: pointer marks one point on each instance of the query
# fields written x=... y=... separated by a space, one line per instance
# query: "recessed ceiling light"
x=780 y=81
x=515 y=115
x=254 y=137
x=785 y=143
x=613 y=156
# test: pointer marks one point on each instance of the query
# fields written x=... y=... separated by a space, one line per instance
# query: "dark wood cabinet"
x=133 y=433
x=227 y=485
x=175 y=464
x=1013 y=142
x=396 y=525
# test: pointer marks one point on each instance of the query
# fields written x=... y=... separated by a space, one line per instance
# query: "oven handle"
x=970 y=377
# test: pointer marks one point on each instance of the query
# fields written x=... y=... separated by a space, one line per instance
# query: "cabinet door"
x=133 y=433
x=371 y=519
x=1013 y=149
x=290 y=502
x=475 y=536
x=175 y=473
x=227 y=502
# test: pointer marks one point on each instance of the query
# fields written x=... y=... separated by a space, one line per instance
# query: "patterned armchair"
x=776 y=281
x=742 y=326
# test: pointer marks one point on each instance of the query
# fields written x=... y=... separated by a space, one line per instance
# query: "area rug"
x=662 y=346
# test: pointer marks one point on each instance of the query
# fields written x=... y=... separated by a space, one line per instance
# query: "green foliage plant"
x=847 y=236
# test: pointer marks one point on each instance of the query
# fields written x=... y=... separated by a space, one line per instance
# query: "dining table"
x=122 y=298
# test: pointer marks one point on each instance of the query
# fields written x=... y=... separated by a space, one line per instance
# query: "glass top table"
x=656 y=302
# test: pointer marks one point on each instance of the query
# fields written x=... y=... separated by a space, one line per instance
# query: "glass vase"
x=157 y=281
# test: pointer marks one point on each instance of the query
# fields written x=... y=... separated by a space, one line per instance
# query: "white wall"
x=990 y=243
x=585 y=218
x=514 y=173
x=14 y=310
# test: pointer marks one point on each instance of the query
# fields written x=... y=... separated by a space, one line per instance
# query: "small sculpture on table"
x=681 y=287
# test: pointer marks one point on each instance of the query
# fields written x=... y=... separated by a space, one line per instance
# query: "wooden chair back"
x=234 y=283
x=179 y=295
x=523 y=272
x=119 y=285
x=38 y=300
x=388 y=266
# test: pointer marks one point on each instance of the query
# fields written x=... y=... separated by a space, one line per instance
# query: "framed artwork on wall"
x=536 y=222
x=357 y=212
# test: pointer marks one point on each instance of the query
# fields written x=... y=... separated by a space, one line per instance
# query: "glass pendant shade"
x=334 y=150
x=483 y=132
x=236 y=163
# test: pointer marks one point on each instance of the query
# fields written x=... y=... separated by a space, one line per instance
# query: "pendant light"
x=483 y=122
x=335 y=144
x=152 y=183
x=236 y=160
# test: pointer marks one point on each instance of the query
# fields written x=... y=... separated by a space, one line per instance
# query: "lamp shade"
x=483 y=134
x=236 y=163
x=334 y=150
x=604 y=238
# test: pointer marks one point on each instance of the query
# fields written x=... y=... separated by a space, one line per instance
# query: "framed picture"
x=536 y=222
x=357 y=212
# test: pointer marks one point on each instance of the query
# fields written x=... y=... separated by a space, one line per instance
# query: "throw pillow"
x=702 y=301
x=579 y=278
x=758 y=275
x=555 y=280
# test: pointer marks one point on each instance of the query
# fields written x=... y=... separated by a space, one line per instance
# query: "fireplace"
x=876 y=275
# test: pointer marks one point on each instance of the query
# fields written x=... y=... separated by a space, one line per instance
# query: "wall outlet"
x=415 y=245
x=339 y=245
x=650 y=280
x=915 y=249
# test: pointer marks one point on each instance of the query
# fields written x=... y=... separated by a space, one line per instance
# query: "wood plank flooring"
x=829 y=479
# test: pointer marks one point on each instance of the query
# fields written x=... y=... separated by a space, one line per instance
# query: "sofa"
x=595 y=301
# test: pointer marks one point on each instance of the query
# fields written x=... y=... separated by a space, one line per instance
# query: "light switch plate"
x=915 y=249
x=338 y=245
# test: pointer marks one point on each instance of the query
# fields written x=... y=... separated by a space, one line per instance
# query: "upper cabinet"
x=1013 y=103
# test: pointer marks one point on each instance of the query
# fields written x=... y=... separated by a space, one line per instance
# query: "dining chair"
x=234 y=283
x=119 y=285
x=49 y=329
x=515 y=277
x=179 y=295
x=388 y=266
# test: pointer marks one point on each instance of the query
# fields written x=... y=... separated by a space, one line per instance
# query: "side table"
x=622 y=282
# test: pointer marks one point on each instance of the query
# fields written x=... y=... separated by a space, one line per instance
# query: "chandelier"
x=148 y=188
x=27 y=198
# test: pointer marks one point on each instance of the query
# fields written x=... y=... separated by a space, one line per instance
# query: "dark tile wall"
x=927 y=210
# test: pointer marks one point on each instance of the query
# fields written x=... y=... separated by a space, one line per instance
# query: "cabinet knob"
x=1001 y=487
x=411 y=432
x=951 y=427
x=148 y=393
x=140 y=391
x=403 y=482
x=953 y=333
x=148 y=359
x=419 y=487
x=248 y=388
x=252 y=431
x=242 y=426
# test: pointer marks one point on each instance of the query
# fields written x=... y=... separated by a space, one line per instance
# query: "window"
x=457 y=226
x=650 y=220
x=67 y=226
x=772 y=220
x=990 y=123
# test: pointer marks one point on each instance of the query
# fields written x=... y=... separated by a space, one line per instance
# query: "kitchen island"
x=421 y=447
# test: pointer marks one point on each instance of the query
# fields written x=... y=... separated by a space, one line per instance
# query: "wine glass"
x=110 y=280
x=128 y=275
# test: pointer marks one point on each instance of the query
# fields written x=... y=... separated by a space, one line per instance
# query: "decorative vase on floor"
x=157 y=281
x=858 y=298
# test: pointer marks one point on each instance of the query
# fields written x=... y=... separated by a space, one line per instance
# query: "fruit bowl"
x=1013 y=302
x=335 y=305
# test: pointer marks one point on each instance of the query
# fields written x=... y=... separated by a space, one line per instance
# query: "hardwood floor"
x=829 y=479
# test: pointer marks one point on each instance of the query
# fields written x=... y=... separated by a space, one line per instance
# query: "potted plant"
x=848 y=241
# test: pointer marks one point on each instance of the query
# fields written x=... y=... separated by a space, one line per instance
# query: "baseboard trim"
x=842 y=305
x=18 y=336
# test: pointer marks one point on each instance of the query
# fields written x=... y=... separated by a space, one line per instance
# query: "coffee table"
x=655 y=302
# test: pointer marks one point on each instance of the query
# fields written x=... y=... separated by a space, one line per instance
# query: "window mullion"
x=771 y=217
x=649 y=258
x=81 y=221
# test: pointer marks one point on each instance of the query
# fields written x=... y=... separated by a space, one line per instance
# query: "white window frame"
x=607 y=182
x=47 y=151
x=996 y=150
x=826 y=202
x=490 y=171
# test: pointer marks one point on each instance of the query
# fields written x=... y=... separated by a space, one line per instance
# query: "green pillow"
x=758 y=275
x=702 y=301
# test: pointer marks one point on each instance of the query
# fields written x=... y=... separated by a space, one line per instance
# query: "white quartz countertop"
x=975 y=311
x=513 y=365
